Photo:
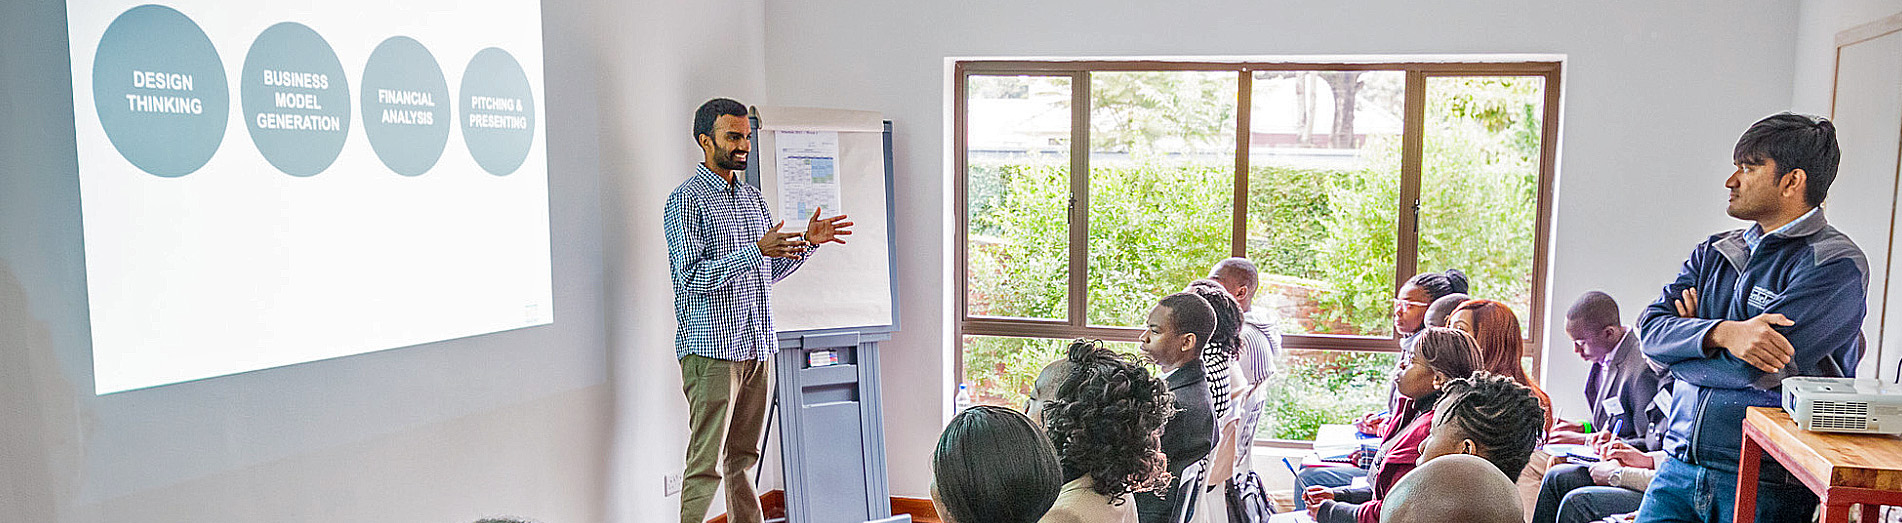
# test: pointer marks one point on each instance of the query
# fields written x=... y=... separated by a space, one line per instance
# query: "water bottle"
x=963 y=397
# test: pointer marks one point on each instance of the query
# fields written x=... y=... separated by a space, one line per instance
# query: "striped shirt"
x=1261 y=348
x=722 y=283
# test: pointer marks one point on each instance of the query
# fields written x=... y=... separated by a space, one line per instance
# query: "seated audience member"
x=1260 y=339
x=1621 y=385
x=1175 y=334
x=1501 y=344
x=1584 y=493
x=1104 y=414
x=993 y=466
x=1224 y=345
x=1409 y=317
x=1502 y=347
x=1490 y=416
x=1260 y=352
x=1438 y=314
x=1461 y=488
x=1439 y=356
x=1620 y=389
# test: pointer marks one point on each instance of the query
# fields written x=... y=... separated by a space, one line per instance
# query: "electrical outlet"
x=671 y=484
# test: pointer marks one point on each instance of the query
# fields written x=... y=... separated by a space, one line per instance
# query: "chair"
x=1188 y=490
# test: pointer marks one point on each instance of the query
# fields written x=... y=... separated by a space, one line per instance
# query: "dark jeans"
x=1567 y=494
x=1323 y=477
x=1683 y=492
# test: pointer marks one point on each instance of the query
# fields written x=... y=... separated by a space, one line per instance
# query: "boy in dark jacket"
x=1176 y=332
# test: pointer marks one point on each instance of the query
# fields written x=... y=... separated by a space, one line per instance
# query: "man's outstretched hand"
x=820 y=231
x=777 y=244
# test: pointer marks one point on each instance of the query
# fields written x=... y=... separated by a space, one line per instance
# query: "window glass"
x=1323 y=198
x=1162 y=186
x=1318 y=387
x=1480 y=182
x=1018 y=194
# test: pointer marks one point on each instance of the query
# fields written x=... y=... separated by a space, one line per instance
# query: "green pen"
x=1588 y=426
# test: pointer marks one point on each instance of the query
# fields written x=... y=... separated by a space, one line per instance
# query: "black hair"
x=713 y=110
x=1190 y=313
x=1793 y=141
x=1440 y=284
x=1441 y=310
x=1241 y=269
x=1499 y=414
x=1106 y=419
x=1596 y=309
x=1226 y=339
x=993 y=465
x=1450 y=352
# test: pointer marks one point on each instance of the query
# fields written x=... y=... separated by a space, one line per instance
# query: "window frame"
x=1076 y=324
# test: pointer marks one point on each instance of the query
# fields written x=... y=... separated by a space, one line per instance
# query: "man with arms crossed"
x=724 y=253
x=1749 y=308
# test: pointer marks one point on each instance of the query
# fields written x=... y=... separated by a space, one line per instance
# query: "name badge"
x=1662 y=402
x=1760 y=297
x=1613 y=407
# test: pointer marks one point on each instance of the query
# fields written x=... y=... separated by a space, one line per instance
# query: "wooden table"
x=1842 y=469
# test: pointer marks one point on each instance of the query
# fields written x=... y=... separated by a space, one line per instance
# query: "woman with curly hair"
x=1104 y=414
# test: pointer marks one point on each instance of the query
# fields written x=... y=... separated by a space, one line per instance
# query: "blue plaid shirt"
x=722 y=283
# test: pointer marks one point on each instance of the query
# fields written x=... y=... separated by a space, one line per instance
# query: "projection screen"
x=267 y=183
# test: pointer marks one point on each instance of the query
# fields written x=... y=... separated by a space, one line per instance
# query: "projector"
x=1863 y=406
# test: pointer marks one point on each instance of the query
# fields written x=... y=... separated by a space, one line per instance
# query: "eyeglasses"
x=1408 y=304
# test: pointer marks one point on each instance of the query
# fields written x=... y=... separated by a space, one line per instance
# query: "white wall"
x=1862 y=197
x=506 y=424
x=657 y=61
x=1655 y=95
x=1816 y=26
x=572 y=422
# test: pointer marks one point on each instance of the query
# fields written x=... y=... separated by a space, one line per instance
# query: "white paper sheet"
x=808 y=164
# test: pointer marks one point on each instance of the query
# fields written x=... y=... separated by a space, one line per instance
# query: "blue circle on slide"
x=295 y=98
x=160 y=90
x=498 y=111
x=405 y=106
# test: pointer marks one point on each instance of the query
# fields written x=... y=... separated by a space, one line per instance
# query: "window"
x=1337 y=179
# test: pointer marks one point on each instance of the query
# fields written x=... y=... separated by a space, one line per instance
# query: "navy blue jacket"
x=1808 y=272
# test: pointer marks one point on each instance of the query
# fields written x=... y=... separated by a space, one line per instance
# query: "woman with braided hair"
x=1502 y=346
x=1490 y=416
x=1225 y=345
x=1104 y=414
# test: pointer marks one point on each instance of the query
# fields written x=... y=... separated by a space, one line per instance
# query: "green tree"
x=1136 y=111
x=1157 y=221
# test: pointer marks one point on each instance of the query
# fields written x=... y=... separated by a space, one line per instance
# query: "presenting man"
x=1749 y=308
x=723 y=281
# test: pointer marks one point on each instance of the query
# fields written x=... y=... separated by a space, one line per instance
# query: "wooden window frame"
x=1412 y=141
